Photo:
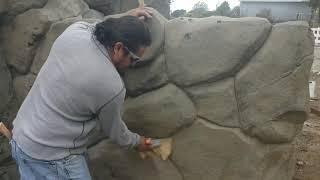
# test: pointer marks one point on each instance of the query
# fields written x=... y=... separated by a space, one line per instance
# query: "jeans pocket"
x=29 y=160
x=76 y=167
x=70 y=158
x=13 y=149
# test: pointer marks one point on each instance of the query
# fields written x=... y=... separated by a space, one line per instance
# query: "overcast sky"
x=188 y=4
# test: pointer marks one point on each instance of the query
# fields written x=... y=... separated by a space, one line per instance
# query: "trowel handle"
x=5 y=131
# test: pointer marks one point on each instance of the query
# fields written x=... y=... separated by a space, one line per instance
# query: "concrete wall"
x=280 y=11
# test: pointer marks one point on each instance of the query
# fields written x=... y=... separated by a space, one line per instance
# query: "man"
x=78 y=86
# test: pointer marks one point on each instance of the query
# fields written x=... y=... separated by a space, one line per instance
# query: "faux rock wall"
x=232 y=93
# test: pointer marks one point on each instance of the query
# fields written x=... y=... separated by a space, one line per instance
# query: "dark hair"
x=129 y=30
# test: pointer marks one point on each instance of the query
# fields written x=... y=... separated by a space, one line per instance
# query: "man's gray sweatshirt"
x=76 y=87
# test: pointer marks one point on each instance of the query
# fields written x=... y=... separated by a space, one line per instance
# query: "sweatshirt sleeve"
x=113 y=125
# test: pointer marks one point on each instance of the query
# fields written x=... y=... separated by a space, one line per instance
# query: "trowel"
x=160 y=148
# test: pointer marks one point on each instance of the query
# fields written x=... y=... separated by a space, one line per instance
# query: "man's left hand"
x=141 y=12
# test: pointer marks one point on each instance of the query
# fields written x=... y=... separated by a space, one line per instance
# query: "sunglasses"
x=133 y=57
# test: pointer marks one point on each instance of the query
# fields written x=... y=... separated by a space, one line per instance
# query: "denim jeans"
x=72 y=167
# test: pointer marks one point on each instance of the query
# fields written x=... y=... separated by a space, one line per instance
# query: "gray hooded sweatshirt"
x=75 y=88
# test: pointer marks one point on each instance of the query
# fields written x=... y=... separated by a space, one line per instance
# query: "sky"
x=188 y=4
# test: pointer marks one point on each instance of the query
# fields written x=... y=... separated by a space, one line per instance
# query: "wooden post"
x=5 y=131
x=141 y=3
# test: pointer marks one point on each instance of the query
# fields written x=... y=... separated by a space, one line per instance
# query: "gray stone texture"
x=145 y=78
x=92 y=14
x=159 y=113
x=22 y=38
x=216 y=102
x=104 y=6
x=15 y=7
x=109 y=161
x=9 y=172
x=4 y=150
x=211 y=48
x=162 y=6
x=3 y=6
x=208 y=152
x=156 y=26
x=5 y=83
x=22 y=85
x=275 y=82
x=28 y=29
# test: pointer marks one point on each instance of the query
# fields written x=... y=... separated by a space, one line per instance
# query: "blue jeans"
x=72 y=167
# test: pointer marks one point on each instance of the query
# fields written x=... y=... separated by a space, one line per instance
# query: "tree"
x=315 y=7
x=235 y=12
x=199 y=10
x=223 y=9
x=201 y=6
x=178 y=13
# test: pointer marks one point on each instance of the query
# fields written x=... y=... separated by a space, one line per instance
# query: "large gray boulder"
x=9 y=172
x=15 y=7
x=23 y=37
x=159 y=113
x=22 y=86
x=211 y=48
x=5 y=83
x=145 y=78
x=162 y=6
x=104 y=6
x=272 y=89
x=3 y=6
x=28 y=29
x=109 y=161
x=4 y=150
x=216 y=102
x=156 y=26
x=209 y=152
x=92 y=14
x=61 y=9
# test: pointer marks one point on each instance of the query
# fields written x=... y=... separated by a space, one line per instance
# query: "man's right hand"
x=145 y=144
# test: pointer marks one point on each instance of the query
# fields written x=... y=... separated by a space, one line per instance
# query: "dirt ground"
x=308 y=150
x=308 y=141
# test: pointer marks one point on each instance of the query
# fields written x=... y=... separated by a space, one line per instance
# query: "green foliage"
x=223 y=9
x=178 y=13
x=201 y=6
x=199 y=13
x=315 y=5
x=201 y=10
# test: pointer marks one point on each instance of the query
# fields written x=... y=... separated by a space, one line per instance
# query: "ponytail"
x=129 y=30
